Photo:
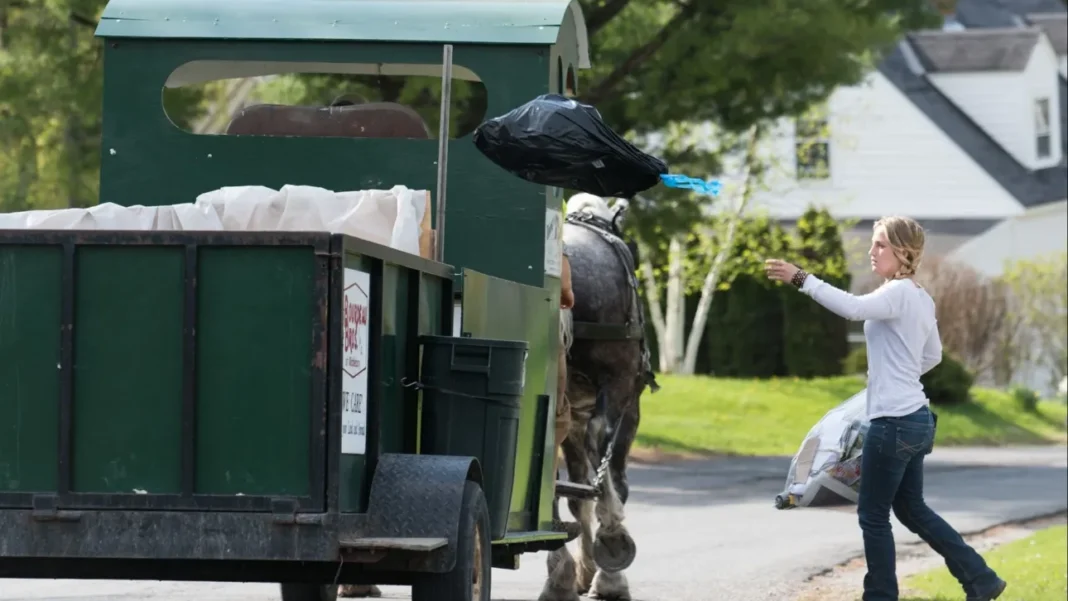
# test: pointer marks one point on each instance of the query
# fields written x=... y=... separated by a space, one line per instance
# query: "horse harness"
x=629 y=330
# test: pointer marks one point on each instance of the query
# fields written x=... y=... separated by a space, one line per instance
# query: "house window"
x=812 y=145
x=1043 y=140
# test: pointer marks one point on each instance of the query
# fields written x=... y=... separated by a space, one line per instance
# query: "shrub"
x=755 y=317
x=949 y=383
x=745 y=322
x=1025 y=397
x=815 y=340
x=972 y=310
x=856 y=362
x=1039 y=288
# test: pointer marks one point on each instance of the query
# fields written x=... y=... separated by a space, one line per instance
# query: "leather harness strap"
x=587 y=330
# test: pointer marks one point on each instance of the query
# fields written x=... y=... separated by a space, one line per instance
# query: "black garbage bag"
x=557 y=141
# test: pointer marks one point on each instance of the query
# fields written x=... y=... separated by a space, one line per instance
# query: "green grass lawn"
x=699 y=414
x=1036 y=569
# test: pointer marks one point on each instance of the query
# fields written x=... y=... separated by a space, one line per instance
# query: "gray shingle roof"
x=1000 y=13
x=1002 y=49
x=1056 y=27
x=1030 y=188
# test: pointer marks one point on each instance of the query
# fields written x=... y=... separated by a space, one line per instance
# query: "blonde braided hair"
x=906 y=238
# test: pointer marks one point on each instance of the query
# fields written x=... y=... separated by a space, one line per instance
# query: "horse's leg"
x=577 y=456
x=578 y=468
x=628 y=431
x=614 y=547
x=568 y=579
x=560 y=585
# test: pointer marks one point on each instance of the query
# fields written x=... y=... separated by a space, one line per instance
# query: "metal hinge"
x=284 y=513
x=46 y=509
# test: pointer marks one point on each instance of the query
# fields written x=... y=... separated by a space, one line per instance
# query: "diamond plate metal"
x=420 y=496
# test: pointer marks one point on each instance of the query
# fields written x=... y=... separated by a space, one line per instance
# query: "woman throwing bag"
x=903 y=343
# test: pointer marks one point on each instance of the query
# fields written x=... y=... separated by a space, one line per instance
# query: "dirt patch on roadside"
x=844 y=582
x=655 y=455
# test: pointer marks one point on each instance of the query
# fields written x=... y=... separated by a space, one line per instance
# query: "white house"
x=961 y=128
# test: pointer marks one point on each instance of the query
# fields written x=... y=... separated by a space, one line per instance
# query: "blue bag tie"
x=710 y=187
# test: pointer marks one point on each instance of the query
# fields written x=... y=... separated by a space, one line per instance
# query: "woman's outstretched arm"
x=886 y=302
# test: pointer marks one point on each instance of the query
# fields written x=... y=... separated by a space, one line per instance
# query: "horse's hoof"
x=610 y=586
x=353 y=591
x=559 y=596
x=614 y=551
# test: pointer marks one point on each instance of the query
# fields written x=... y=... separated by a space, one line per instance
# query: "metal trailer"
x=172 y=404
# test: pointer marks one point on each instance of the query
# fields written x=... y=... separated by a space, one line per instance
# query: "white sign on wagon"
x=356 y=309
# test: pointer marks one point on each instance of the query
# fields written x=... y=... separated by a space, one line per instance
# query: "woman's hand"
x=780 y=270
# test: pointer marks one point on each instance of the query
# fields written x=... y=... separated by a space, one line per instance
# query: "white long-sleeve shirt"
x=901 y=334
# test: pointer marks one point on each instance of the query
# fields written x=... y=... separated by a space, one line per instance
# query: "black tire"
x=780 y=502
x=469 y=579
x=300 y=591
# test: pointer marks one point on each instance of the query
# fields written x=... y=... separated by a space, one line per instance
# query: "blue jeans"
x=891 y=477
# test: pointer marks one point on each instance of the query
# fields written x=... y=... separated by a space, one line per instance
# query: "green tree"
x=732 y=62
x=50 y=99
x=816 y=341
x=50 y=93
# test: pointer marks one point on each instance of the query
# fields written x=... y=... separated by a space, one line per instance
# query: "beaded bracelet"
x=799 y=278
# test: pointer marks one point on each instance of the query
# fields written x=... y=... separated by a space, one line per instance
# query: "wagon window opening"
x=321 y=100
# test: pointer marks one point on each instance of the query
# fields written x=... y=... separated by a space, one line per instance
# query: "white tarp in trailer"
x=398 y=217
x=826 y=469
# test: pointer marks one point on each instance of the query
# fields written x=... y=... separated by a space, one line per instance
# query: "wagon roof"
x=525 y=22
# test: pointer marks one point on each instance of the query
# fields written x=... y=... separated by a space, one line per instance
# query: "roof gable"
x=964 y=51
x=1002 y=13
x=1029 y=188
x=1055 y=26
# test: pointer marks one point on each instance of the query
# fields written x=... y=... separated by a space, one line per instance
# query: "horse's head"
x=599 y=207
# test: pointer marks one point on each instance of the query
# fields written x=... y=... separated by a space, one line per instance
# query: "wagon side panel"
x=163 y=371
x=29 y=359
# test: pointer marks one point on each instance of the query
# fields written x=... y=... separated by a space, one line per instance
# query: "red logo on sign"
x=355 y=316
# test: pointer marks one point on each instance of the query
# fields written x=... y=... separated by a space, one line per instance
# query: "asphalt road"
x=708 y=531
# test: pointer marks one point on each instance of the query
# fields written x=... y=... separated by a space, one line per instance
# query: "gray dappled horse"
x=608 y=369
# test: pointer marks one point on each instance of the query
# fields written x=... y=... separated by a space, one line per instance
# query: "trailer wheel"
x=469 y=579
x=299 y=591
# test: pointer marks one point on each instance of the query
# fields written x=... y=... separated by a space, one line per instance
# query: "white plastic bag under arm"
x=826 y=468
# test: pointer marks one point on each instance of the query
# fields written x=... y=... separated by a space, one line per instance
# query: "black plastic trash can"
x=472 y=392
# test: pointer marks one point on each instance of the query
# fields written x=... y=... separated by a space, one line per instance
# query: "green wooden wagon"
x=298 y=407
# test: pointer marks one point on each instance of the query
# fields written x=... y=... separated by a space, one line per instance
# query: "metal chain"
x=602 y=470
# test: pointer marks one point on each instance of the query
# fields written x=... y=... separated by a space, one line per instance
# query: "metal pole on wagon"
x=443 y=149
